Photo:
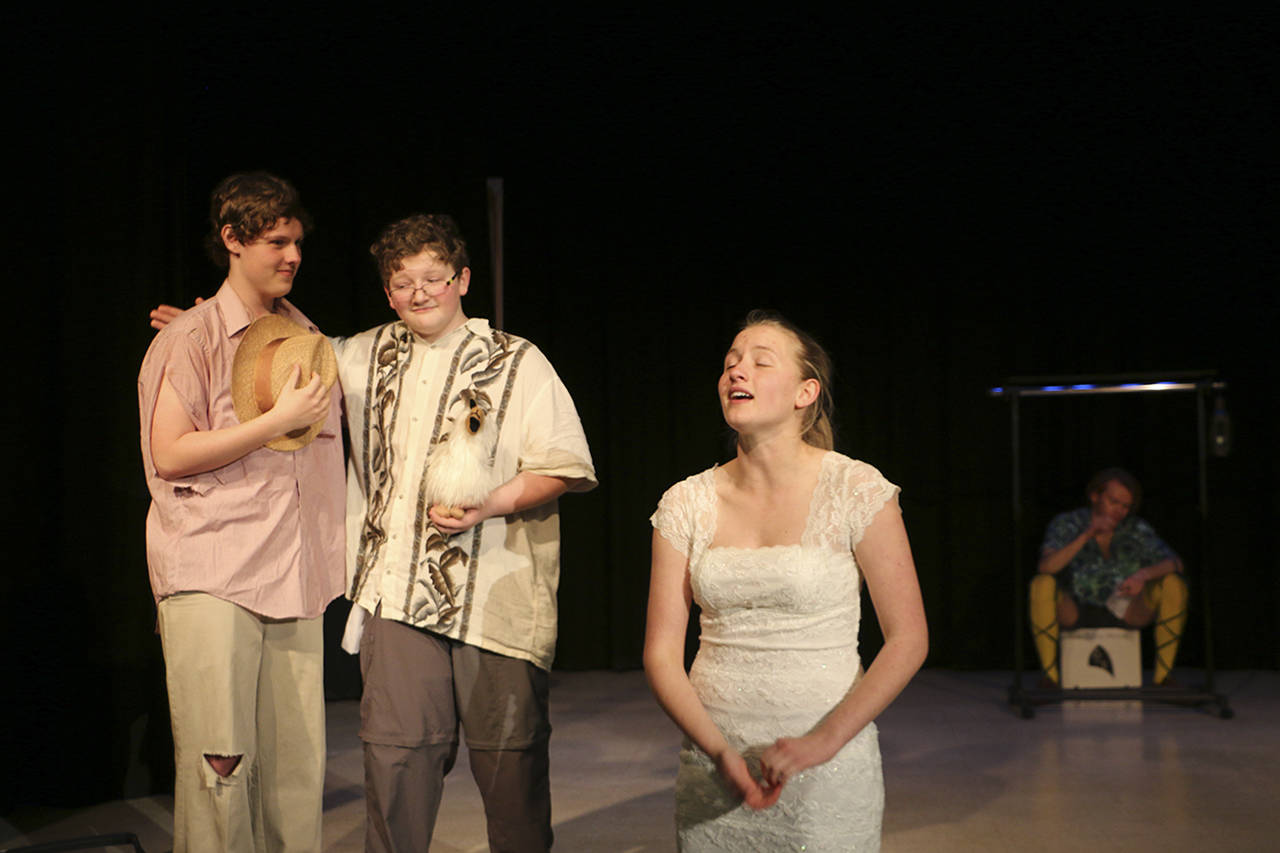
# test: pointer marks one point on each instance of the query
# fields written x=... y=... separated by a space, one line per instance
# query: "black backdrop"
x=944 y=201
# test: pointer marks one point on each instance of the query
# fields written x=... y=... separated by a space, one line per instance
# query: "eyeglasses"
x=405 y=290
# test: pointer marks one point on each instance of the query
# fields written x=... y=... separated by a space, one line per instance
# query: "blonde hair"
x=814 y=363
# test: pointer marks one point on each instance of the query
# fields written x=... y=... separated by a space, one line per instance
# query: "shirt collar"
x=236 y=318
x=475 y=325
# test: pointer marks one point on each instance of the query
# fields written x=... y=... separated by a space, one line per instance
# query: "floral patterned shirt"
x=1094 y=576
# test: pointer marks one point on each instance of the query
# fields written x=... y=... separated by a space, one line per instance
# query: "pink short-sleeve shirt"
x=265 y=532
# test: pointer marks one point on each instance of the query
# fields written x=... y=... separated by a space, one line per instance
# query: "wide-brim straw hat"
x=271 y=346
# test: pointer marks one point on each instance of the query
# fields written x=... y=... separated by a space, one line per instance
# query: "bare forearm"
x=666 y=625
x=885 y=557
x=524 y=491
x=1056 y=561
x=204 y=450
x=178 y=449
x=1160 y=569
x=671 y=686
x=890 y=672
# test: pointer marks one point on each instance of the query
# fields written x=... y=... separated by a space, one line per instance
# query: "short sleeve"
x=674 y=518
x=554 y=443
x=868 y=492
x=180 y=355
x=1062 y=530
x=1153 y=549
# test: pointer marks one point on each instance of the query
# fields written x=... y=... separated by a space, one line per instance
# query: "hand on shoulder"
x=162 y=315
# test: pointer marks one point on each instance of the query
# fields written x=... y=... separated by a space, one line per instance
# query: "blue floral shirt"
x=1094 y=576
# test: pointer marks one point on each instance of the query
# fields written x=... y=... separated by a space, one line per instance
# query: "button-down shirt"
x=493 y=586
x=264 y=532
x=1094 y=575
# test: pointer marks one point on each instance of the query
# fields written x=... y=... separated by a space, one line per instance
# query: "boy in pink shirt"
x=245 y=543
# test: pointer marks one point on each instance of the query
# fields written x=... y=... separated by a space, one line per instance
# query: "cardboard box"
x=1101 y=657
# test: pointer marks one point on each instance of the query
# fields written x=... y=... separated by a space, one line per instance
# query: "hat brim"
x=260 y=333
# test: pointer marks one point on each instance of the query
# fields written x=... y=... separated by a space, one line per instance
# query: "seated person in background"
x=1100 y=566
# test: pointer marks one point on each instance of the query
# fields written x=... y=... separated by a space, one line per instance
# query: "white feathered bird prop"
x=459 y=474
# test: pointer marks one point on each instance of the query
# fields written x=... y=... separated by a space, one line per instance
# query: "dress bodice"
x=791 y=611
x=784 y=597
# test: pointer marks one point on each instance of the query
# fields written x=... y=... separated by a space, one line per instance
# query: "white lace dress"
x=778 y=650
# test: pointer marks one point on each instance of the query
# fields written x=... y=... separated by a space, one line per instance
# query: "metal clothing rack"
x=1201 y=383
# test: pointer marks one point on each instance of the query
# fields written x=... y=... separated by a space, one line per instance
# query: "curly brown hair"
x=436 y=232
x=251 y=203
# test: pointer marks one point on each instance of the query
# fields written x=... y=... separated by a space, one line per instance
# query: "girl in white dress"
x=780 y=750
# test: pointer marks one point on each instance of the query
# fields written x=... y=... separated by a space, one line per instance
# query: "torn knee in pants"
x=222 y=765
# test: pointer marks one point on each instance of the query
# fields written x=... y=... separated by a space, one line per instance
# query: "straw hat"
x=271 y=346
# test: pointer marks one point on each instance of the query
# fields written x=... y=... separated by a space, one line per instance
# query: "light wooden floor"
x=963 y=773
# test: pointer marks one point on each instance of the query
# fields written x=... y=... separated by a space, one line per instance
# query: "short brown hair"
x=814 y=363
x=413 y=235
x=251 y=203
x=1099 y=481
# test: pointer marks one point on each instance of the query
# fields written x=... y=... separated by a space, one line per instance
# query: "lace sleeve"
x=851 y=494
x=673 y=518
x=867 y=492
x=686 y=515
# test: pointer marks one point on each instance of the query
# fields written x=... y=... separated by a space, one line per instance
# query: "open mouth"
x=740 y=395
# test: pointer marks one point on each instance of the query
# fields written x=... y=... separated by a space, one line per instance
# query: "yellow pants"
x=1165 y=596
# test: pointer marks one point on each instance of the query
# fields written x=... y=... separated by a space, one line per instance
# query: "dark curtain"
x=943 y=202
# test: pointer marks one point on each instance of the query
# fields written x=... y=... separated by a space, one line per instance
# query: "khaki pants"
x=243 y=685
x=418 y=687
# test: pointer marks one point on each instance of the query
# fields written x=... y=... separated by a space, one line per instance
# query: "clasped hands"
x=779 y=763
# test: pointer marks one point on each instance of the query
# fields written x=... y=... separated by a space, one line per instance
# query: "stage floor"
x=962 y=772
